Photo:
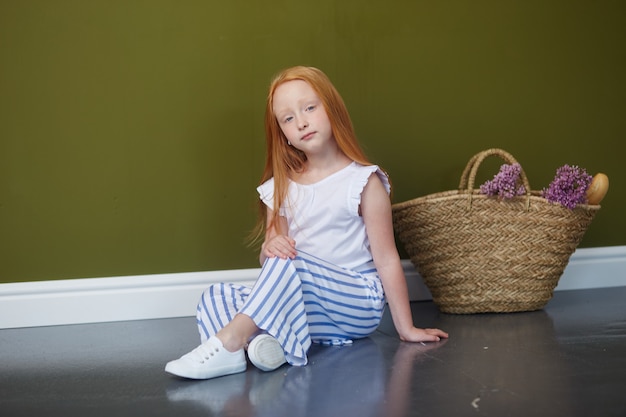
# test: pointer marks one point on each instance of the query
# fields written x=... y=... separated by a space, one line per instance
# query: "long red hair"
x=283 y=161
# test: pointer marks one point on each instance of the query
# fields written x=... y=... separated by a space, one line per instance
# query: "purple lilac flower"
x=569 y=186
x=506 y=183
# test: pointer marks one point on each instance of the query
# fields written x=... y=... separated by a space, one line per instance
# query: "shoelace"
x=203 y=353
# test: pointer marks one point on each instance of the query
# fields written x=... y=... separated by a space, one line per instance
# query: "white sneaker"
x=266 y=353
x=209 y=360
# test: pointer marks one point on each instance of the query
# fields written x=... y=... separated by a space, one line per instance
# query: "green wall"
x=131 y=132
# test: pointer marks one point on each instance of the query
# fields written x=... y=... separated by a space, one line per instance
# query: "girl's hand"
x=423 y=335
x=280 y=246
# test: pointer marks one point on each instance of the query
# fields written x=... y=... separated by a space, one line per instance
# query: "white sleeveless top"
x=323 y=218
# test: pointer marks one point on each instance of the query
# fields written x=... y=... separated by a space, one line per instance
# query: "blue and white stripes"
x=298 y=302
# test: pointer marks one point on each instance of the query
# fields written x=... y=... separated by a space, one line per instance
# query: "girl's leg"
x=296 y=302
x=306 y=299
x=217 y=316
x=217 y=313
x=218 y=306
x=236 y=334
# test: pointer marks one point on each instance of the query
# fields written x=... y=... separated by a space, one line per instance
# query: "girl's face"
x=302 y=117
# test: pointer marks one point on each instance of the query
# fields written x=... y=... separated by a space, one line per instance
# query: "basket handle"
x=468 y=178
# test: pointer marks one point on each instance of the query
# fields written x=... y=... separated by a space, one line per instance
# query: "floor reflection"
x=346 y=380
x=506 y=362
x=565 y=361
x=492 y=363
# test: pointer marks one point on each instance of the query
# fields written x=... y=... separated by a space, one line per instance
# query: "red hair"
x=282 y=160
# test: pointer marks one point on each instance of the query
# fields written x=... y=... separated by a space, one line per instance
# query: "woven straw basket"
x=480 y=254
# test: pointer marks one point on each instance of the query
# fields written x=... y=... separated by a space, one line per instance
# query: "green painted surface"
x=131 y=137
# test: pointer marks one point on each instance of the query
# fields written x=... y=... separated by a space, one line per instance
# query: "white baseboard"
x=93 y=300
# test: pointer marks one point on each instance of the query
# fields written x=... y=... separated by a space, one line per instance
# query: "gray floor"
x=566 y=360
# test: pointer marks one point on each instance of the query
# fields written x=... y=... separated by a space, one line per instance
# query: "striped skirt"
x=301 y=301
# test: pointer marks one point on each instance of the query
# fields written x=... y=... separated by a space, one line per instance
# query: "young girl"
x=329 y=258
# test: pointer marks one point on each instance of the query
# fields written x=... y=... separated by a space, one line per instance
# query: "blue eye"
x=310 y=108
x=288 y=119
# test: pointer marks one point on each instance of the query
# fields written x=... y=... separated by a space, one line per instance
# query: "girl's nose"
x=303 y=124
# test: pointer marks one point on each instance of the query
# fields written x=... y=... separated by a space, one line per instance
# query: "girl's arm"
x=276 y=244
x=376 y=212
